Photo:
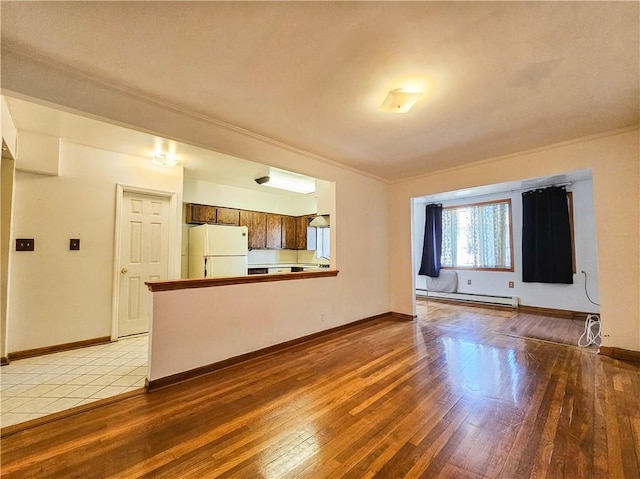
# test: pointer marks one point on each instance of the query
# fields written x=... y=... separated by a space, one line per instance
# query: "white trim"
x=173 y=256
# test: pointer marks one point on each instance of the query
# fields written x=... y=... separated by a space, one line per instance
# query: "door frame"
x=173 y=256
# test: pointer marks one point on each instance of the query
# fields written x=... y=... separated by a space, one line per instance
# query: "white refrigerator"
x=217 y=251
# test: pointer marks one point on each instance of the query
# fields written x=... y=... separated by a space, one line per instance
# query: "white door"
x=144 y=250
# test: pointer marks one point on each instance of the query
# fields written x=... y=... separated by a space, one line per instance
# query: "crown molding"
x=531 y=151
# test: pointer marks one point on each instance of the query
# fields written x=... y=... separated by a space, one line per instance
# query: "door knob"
x=124 y=270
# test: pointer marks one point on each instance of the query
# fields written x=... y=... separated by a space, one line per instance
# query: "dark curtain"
x=432 y=247
x=546 y=237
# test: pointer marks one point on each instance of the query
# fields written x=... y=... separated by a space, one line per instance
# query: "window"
x=323 y=247
x=478 y=236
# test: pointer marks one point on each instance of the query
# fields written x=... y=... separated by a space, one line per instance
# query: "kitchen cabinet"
x=305 y=234
x=289 y=232
x=274 y=231
x=227 y=216
x=199 y=214
x=266 y=230
x=256 y=223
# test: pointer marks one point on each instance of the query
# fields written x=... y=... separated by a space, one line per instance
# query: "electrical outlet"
x=25 y=244
x=469 y=282
x=322 y=317
x=511 y=285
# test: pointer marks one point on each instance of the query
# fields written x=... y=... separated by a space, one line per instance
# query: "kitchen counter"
x=171 y=285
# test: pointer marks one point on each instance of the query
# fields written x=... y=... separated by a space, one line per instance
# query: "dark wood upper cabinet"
x=257 y=225
x=266 y=230
x=200 y=214
x=274 y=231
x=289 y=232
x=302 y=233
x=228 y=216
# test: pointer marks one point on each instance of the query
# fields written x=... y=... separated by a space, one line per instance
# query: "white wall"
x=59 y=296
x=9 y=131
x=38 y=153
x=614 y=161
x=215 y=194
x=558 y=296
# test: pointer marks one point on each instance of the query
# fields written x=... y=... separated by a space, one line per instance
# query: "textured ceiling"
x=501 y=76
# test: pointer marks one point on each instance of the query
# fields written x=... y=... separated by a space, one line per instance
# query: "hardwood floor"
x=384 y=400
x=503 y=321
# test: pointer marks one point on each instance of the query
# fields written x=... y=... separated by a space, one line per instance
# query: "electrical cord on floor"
x=591 y=331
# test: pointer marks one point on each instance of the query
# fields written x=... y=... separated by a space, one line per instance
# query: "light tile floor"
x=35 y=387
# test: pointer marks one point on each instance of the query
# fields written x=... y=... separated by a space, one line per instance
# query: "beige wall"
x=59 y=296
x=614 y=160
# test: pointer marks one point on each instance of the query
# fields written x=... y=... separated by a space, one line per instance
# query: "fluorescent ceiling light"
x=285 y=180
x=400 y=101
x=165 y=160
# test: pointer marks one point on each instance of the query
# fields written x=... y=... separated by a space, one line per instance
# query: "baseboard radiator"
x=510 y=301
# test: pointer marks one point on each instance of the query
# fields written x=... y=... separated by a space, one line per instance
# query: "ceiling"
x=198 y=163
x=500 y=77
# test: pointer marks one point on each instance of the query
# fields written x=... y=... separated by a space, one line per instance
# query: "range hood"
x=320 y=222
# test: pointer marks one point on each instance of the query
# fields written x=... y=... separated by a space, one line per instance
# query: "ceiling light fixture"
x=400 y=100
x=285 y=180
x=165 y=160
